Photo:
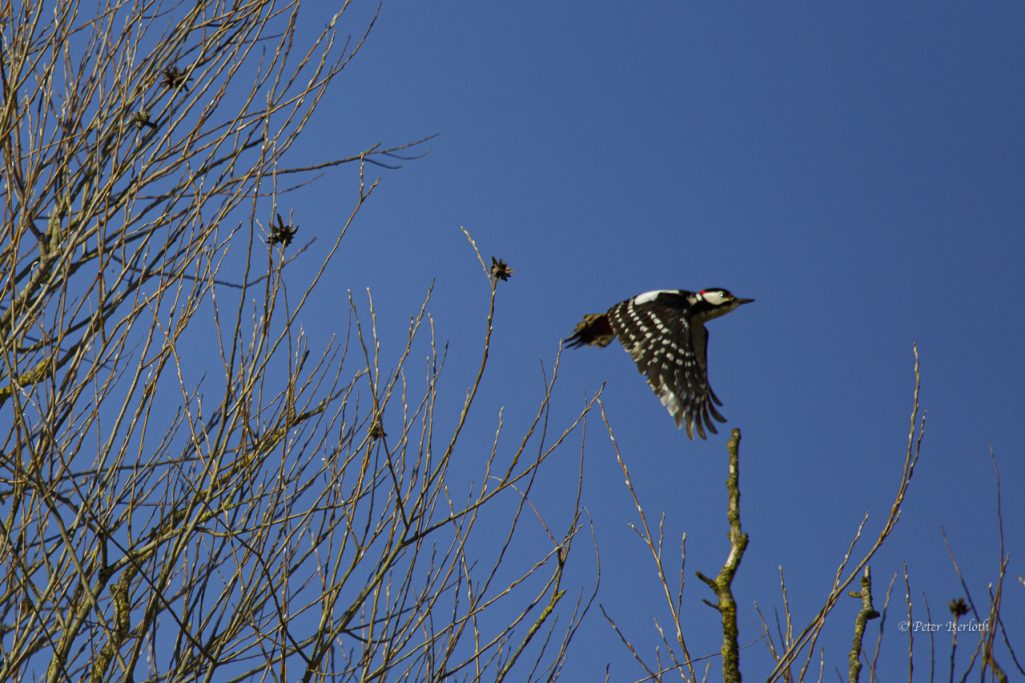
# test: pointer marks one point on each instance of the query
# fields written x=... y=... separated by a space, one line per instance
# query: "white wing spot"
x=669 y=399
x=651 y=296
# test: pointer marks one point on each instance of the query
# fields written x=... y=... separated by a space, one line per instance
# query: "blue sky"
x=856 y=168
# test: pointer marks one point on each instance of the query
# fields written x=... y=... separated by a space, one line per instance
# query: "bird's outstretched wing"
x=672 y=355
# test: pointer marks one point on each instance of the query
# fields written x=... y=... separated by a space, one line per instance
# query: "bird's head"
x=716 y=302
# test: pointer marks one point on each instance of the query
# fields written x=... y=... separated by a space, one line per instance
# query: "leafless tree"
x=796 y=656
x=320 y=512
x=301 y=518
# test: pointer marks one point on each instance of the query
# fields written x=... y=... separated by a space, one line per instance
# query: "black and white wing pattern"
x=671 y=353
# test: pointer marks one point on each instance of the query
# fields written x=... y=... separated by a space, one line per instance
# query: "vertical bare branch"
x=865 y=613
x=722 y=584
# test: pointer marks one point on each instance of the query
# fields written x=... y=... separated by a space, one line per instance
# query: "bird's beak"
x=743 y=301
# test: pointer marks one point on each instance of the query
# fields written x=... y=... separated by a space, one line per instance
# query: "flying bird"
x=664 y=331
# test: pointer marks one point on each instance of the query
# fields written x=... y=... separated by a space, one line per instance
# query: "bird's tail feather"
x=594 y=330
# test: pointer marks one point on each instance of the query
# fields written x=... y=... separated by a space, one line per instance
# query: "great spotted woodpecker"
x=664 y=331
